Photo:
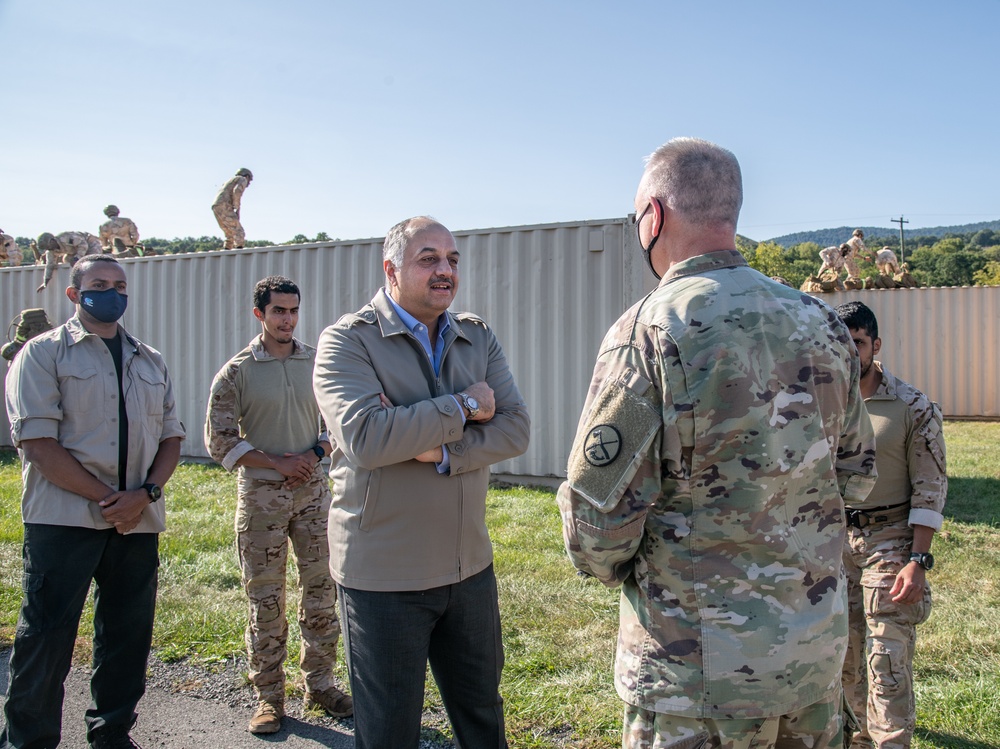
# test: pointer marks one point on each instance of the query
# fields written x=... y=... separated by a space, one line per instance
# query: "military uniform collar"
x=260 y=353
x=709 y=261
x=886 y=390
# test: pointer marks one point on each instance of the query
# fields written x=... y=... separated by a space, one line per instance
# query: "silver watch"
x=471 y=405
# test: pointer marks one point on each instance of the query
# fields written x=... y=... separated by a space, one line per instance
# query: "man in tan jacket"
x=419 y=403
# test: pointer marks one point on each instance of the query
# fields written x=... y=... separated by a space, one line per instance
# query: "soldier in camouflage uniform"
x=888 y=545
x=67 y=247
x=227 y=209
x=119 y=235
x=9 y=250
x=722 y=432
x=855 y=249
x=263 y=419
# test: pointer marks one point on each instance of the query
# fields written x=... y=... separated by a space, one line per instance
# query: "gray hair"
x=698 y=179
x=399 y=236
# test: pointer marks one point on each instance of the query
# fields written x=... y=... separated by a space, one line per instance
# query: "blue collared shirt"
x=434 y=353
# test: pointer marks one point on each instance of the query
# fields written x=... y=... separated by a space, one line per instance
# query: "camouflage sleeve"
x=133 y=232
x=222 y=432
x=925 y=459
x=614 y=467
x=238 y=189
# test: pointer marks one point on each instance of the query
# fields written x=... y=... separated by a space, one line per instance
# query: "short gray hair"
x=399 y=236
x=698 y=179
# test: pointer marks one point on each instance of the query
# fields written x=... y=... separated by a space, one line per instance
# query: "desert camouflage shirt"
x=119 y=228
x=231 y=193
x=9 y=251
x=722 y=432
x=911 y=452
x=857 y=245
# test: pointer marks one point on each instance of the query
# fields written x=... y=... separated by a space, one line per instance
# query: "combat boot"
x=332 y=701
x=268 y=717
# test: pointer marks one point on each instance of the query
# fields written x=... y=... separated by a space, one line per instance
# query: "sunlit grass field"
x=559 y=630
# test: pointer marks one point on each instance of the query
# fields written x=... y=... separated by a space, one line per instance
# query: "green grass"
x=559 y=630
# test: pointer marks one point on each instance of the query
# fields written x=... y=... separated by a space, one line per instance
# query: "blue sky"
x=355 y=115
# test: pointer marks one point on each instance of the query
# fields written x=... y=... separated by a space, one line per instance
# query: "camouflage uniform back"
x=722 y=429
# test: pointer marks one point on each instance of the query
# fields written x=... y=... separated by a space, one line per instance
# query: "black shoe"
x=113 y=737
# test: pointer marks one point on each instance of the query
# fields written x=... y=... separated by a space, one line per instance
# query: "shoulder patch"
x=602 y=445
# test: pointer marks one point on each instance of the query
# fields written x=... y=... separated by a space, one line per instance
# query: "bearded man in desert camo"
x=722 y=432
x=263 y=421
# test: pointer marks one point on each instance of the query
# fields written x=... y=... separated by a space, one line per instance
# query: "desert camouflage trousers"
x=878 y=670
x=817 y=726
x=231 y=227
x=851 y=265
x=268 y=516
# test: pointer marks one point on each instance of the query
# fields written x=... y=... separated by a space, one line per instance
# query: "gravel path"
x=195 y=708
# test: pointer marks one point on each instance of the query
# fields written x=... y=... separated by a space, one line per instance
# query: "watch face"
x=473 y=403
x=928 y=562
x=154 y=491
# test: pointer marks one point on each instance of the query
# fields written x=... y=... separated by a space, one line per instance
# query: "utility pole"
x=900 y=221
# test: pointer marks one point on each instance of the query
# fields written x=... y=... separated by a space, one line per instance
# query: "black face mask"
x=647 y=252
x=106 y=306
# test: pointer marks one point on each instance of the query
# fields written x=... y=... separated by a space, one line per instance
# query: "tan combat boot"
x=268 y=717
x=332 y=701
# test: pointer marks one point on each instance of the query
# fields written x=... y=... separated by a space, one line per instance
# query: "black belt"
x=871 y=515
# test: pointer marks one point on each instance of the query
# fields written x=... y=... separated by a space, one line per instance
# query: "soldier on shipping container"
x=888 y=544
x=119 y=235
x=833 y=260
x=855 y=249
x=263 y=420
x=227 y=209
x=723 y=429
x=67 y=247
x=886 y=262
x=9 y=250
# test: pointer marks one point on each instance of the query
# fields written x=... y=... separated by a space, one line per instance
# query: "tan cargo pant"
x=878 y=670
x=817 y=726
x=267 y=517
x=231 y=227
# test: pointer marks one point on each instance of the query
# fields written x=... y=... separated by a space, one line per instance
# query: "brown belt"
x=877 y=515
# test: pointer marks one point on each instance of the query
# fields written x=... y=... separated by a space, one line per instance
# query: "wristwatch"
x=471 y=405
x=154 y=491
x=925 y=560
x=320 y=452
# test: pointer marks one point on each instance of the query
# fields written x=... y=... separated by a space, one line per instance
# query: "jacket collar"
x=76 y=332
x=391 y=324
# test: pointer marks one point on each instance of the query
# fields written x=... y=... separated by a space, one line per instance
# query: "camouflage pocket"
x=621 y=426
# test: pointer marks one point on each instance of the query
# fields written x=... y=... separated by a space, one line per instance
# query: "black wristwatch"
x=925 y=560
x=320 y=452
x=154 y=491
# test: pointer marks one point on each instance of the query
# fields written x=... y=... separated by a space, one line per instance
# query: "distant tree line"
x=970 y=259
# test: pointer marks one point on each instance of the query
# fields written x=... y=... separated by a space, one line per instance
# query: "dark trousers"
x=59 y=564
x=389 y=639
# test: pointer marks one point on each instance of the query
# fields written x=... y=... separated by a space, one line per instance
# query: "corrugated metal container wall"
x=549 y=291
x=944 y=341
